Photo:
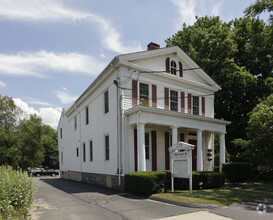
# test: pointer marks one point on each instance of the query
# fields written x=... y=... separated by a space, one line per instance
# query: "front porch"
x=152 y=131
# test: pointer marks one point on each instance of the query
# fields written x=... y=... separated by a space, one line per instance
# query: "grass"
x=220 y=196
x=265 y=185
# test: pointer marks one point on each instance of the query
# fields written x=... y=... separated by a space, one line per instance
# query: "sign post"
x=181 y=162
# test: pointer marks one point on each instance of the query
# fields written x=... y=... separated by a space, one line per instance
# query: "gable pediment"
x=163 y=61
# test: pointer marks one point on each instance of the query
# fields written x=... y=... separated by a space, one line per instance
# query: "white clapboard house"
x=140 y=104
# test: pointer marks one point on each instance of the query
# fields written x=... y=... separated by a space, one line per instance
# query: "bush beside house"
x=238 y=171
x=153 y=182
x=16 y=193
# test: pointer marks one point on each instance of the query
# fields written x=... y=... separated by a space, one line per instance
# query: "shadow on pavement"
x=73 y=187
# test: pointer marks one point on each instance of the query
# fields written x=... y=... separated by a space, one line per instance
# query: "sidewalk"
x=204 y=215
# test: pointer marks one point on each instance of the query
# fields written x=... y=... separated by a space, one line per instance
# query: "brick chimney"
x=153 y=46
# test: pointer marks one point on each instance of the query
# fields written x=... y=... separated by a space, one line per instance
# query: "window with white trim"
x=84 y=152
x=195 y=105
x=173 y=100
x=143 y=94
x=86 y=115
x=75 y=122
x=106 y=102
x=107 y=150
x=173 y=67
x=147 y=146
x=91 y=150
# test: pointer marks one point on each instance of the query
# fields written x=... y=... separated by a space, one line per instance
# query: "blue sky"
x=51 y=50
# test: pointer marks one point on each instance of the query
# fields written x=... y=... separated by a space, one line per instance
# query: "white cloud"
x=3 y=84
x=56 y=11
x=65 y=97
x=50 y=116
x=216 y=9
x=35 y=64
x=189 y=9
x=186 y=10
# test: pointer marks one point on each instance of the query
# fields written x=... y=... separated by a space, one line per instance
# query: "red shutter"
x=168 y=65
x=167 y=155
x=166 y=98
x=203 y=106
x=154 y=96
x=180 y=69
x=134 y=92
x=154 y=153
x=135 y=148
x=182 y=101
x=189 y=103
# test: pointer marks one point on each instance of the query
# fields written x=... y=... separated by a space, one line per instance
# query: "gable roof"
x=126 y=60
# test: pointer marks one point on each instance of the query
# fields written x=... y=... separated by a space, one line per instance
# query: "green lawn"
x=221 y=196
x=266 y=185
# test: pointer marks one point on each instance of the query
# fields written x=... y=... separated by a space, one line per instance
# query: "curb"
x=190 y=205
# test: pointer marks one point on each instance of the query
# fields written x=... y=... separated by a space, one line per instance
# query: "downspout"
x=116 y=82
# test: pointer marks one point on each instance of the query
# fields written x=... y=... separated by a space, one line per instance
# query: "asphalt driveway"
x=63 y=199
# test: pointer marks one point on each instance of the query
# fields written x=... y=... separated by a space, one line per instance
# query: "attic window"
x=173 y=67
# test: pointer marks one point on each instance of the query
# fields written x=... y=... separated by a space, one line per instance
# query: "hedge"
x=210 y=180
x=150 y=182
x=16 y=193
x=238 y=171
x=146 y=182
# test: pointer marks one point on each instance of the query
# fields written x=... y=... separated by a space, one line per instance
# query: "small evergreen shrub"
x=16 y=193
x=238 y=171
x=210 y=180
x=146 y=182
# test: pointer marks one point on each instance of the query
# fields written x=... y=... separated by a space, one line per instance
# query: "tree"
x=29 y=149
x=259 y=7
x=9 y=114
x=258 y=147
x=50 y=145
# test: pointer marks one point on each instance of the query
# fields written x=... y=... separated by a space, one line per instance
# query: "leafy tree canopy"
x=238 y=56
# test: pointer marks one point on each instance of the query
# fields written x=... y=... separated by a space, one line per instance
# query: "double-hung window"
x=107 y=150
x=91 y=150
x=173 y=67
x=173 y=101
x=75 y=122
x=147 y=146
x=195 y=105
x=84 y=152
x=143 y=94
x=86 y=116
x=106 y=102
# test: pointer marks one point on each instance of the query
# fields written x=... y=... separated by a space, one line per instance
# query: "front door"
x=194 y=154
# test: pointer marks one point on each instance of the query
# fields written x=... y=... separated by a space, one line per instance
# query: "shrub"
x=238 y=171
x=16 y=193
x=146 y=182
x=209 y=179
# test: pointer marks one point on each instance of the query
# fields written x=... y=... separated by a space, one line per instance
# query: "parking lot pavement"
x=248 y=211
x=63 y=199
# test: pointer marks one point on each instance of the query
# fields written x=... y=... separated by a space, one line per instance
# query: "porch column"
x=141 y=147
x=222 y=151
x=174 y=135
x=199 y=151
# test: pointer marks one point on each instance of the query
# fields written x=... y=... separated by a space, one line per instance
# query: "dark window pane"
x=91 y=150
x=107 y=150
x=87 y=116
x=195 y=105
x=174 y=101
x=84 y=153
x=173 y=67
x=147 y=146
x=106 y=102
x=144 y=94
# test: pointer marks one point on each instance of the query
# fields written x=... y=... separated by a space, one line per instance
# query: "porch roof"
x=144 y=114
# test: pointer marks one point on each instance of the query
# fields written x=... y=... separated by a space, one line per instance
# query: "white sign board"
x=181 y=162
